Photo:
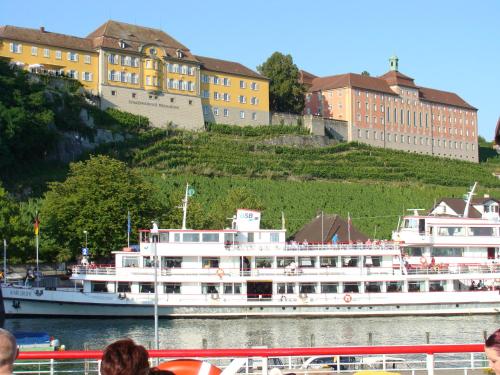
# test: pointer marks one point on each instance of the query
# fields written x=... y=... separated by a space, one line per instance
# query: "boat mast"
x=469 y=198
x=184 y=207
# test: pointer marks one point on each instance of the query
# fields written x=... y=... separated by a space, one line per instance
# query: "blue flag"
x=128 y=222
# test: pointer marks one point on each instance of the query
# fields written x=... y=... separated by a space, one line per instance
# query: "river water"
x=272 y=332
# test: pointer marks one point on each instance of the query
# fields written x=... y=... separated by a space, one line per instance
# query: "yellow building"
x=145 y=71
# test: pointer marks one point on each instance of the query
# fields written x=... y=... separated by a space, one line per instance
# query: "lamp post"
x=154 y=240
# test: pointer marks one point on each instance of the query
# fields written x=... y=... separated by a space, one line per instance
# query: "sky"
x=442 y=44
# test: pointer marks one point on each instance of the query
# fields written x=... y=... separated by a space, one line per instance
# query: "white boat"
x=248 y=271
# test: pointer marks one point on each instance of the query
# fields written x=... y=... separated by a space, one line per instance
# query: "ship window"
x=351 y=287
x=373 y=287
x=250 y=237
x=284 y=261
x=171 y=262
x=172 y=288
x=210 y=237
x=373 y=261
x=130 y=261
x=437 y=286
x=190 y=237
x=146 y=288
x=164 y=236
x=451 y=231
x=208 y=288
x=228 y=238
x=329 y=287
x=328 y=261
x=307 y=288
x=177 y=237
x=307 y=262
x=350 y=261
x=286 y=288
x=210 y=262
x=124 y=287
x=147 y=262
x=447 y=252
x=275 y=237
x=480 y=231
x=414 y=251
x=230 y=288
x=99 y=287
x=394 y=286
x=416 y=286
x=263 y=262
x=411 y=223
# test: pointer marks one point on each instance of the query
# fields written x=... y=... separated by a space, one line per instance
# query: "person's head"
x=8 y=351
x=492 y=350
x=124 y=357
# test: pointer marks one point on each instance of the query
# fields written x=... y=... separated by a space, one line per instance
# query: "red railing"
x=277 y=352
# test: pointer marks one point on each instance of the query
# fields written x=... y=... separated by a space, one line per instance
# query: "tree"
x=95 y=197
x=365 y=73
x=286 y=93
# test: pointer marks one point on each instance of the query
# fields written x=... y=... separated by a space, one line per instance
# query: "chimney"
x=42 y=29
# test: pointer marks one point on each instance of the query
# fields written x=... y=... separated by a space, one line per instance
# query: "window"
x=72 y=56
x=128 y=261
x=34 y=51
x=209 y=288
x=328 y=262
x=254 y=86
x=254 y=100
x=73 y=74
x=226 y=112
x=210 y=237
x=171 y=262
x=205 y=78
x=254 y=116
x=99 y=287
x=263 y=262
x=16 y=48
x=46 y=52
x=216 y=111
x=275 y=237
x=172 y=288
x=58 y=55
x=88 y=60
x=480 y=231
x=307 y=262
x=226 y=82
x=184 y=69
x=307 y=288
x=242 y=114
x=146 y=288
x=329 y=288
x=207 y=262
x=124 y=287
x=190 y=237
x=86 y=76
x=451 y=231
x=230 y=288
x=286 y=288
x=242 y=99
x=226 y=97
x=447 y=251
x=206 y=109
x=216 y=80
x=243 y=84
x=282 y=262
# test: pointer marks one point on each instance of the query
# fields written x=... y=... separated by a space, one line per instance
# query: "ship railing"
x=96 y=269
x=453 y=268
x=465 y=359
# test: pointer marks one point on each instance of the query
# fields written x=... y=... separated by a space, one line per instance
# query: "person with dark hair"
x=8 y=352
x=492 y=350
x=125 y=357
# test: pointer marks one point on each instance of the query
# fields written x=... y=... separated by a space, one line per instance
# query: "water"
x=273 y=332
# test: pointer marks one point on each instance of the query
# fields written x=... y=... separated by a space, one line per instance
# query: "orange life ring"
x=220 y=272
x=423 y=260
x=189 y=367
x=347 y=298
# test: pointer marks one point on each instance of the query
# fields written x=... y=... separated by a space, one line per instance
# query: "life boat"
x=189 y=367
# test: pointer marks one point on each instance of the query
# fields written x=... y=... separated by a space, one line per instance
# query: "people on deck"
x=8 y=352
x=492 y=350
x=125 y=357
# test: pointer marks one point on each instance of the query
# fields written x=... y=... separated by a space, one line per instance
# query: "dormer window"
x=180 y=54
x=122 y=44
x=152 y=51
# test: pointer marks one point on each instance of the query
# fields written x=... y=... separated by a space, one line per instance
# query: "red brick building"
x=392 y=111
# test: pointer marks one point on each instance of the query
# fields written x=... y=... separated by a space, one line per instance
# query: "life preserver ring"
x=347 y=298
x=220 y=272
x=189 y=367
x=423 y=260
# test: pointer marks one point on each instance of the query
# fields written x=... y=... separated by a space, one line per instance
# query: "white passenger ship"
x=443 y=263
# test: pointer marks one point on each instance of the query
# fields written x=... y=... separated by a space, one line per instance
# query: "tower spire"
x=393 y=63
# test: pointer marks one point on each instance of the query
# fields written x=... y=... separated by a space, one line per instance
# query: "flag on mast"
x=128 y=223
x=36 y=225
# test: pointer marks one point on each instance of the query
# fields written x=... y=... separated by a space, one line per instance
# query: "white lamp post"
x=86 y=234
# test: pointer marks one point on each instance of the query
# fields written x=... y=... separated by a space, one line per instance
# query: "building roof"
x=323 y=227
x=351 y=80
x=224 y=66
x=483 y=200
x=134 y=37
x=458 y=205
x=306 y=78
x=443 y=97
x=44 y=37
x=395 y=78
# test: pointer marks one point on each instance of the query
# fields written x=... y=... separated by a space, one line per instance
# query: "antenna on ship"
x=282 y=220
x=469 y=198
x=189 y=193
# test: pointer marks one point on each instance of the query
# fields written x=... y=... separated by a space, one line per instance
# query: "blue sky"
x=447 y=45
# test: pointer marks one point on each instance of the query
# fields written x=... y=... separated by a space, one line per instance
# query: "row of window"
x=224 y=81
x=123 y=60
x=281 y=288
x=181 y=85
x=207 y=110
x=71 y=56
x=416 y=140
x=123 y=77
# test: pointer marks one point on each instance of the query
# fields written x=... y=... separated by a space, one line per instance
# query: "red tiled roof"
x=351 y=80
x=394 y=78
x=458 y=205
x=443 y=97
x=41 y=36
x=306 y=78
x=224 y=66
